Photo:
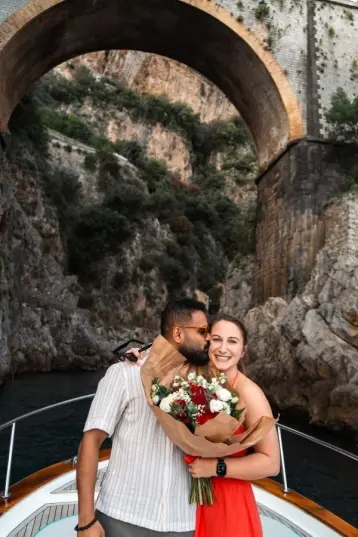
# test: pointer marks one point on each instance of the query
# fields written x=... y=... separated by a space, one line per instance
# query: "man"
x=145 y=491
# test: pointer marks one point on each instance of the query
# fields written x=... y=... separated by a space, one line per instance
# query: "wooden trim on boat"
x=38 y=479
x=312 y=508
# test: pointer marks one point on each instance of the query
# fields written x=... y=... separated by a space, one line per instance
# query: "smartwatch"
x=221 y=468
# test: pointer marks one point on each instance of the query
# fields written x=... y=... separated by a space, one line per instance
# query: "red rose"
x=200 y=420
x=198 y=395
x=199 y=399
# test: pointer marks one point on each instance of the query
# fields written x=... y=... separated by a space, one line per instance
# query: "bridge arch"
x=198 y=33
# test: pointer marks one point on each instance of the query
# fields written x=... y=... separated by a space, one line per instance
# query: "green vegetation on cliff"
x=205 y=228
x=342 y=118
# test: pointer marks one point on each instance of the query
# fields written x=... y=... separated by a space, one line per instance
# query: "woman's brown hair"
x=239 y=324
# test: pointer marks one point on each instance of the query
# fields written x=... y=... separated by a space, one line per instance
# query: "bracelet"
x=83 y=528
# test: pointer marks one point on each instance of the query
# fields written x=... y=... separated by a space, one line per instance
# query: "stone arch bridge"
x=278 y=61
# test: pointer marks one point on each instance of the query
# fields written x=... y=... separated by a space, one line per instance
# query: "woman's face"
x=226 y=345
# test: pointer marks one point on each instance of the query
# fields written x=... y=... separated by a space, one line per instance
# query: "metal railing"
x=12 y=423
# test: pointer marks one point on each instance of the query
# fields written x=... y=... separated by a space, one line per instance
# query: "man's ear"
x=177 y=335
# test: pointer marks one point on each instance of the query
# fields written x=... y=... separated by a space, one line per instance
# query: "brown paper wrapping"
x=216 y=437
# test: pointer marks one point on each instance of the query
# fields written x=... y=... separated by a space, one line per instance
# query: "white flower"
x=165 y=405
x=171 y=397
x=222 y=378
x=216 y=406
x=223 y=394
x=202 y=382
x=191 y=376
x=155 y=399
x=226 y=408
x=185 y=384
x=154 y=388
x=235 y=400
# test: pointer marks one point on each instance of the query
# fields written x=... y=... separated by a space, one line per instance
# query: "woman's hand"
x=203 y=468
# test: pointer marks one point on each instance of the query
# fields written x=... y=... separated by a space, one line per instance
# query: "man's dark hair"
x=178 y=312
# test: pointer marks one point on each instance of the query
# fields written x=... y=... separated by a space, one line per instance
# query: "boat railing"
x=12 y=424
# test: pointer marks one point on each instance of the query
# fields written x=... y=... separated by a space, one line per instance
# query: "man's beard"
x=195 y=356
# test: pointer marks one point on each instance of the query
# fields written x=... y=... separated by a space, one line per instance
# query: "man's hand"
x=137 y=354
x=95 y=531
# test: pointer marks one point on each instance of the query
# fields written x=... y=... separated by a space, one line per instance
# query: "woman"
x=235 y=511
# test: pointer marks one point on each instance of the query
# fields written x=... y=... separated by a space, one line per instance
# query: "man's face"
x=196 y=337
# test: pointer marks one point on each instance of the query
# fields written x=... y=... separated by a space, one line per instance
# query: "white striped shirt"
x=147 y=482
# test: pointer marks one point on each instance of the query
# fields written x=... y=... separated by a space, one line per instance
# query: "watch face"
x=221 y=468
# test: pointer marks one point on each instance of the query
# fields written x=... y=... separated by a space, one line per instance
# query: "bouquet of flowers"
x=192 y=409
x=194 y=401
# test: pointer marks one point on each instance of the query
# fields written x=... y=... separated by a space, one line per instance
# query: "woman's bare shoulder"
x=252 y=394
x=244 y=384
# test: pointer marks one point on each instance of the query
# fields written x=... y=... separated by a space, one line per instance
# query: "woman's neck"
x=232 y=375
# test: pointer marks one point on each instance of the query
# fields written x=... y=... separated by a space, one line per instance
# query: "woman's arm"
x=265 y=461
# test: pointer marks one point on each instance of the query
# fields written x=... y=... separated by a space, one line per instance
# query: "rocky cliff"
x=304 y=353
x=112 y=199
x=96 y=231
x=156 y=75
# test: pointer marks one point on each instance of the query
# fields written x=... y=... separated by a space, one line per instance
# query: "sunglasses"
x=202 y=330
x=128 y=355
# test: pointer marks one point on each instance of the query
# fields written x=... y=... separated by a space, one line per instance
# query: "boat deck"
x=44 y=517
x=58 y=519
x=49 y=508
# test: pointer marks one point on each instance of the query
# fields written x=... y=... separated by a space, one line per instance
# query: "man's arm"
x=106 y=409
x=87 y=467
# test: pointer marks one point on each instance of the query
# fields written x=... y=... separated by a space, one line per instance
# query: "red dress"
x=234 y=512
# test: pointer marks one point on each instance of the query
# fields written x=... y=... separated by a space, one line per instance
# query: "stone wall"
x=336 y=43
x=7 y=7
x=284 y=32
x=290 y=223
x=327 y=46
x=341 y=225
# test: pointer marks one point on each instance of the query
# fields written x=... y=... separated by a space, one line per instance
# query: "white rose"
x=216 y=406
x=171 y=397
x=223 y=394
x=235 y=400
x=165 y=405
x=155 y=399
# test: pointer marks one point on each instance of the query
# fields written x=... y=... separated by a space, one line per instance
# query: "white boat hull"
x=51 y=511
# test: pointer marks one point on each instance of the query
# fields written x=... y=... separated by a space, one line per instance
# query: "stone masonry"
x=284 y=28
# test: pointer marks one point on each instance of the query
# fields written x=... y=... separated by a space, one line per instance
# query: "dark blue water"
x=324 y=476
